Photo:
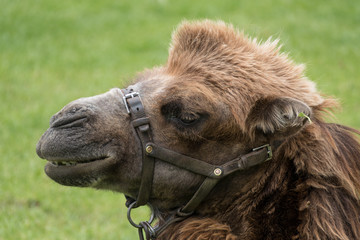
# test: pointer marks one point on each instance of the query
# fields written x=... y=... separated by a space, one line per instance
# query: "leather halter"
x=151 y=151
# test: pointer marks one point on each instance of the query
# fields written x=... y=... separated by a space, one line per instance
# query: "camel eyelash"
x=174 y=112
x=185 y=119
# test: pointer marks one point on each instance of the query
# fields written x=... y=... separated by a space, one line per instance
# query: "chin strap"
x=151 y=151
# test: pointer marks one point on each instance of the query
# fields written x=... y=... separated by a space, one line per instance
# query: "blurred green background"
x=52 y=52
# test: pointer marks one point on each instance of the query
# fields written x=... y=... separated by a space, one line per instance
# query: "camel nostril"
x=53 y=119
x=69 y=121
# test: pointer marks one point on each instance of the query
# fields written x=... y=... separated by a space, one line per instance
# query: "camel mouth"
x=84 y=173
x=68 y=163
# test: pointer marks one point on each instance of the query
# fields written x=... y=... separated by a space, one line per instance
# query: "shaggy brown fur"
x=310 y=190
x=200 y=228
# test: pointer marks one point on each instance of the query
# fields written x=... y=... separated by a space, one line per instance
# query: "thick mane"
x=312 y=187
x=329 y=161
x=326 y=183
x=221 y=55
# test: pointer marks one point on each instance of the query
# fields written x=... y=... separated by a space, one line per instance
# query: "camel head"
x=219 y=95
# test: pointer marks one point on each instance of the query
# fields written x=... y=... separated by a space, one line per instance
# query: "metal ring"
x=133 y=205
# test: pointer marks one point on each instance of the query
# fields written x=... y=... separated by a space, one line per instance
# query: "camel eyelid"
x=172 y=109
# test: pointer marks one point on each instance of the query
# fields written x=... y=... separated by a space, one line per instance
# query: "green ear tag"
x=303 y=115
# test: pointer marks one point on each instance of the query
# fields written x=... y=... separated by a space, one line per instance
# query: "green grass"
x=52 y=52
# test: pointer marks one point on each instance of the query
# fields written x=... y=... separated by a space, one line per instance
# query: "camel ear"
x=277 y=118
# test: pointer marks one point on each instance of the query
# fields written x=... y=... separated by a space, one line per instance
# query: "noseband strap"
x=141 y=125
x=151 y=151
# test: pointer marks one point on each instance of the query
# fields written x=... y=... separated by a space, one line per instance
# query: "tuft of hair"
x=199 y=229
x=239 y=68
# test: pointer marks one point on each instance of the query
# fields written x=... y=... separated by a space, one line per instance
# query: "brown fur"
x=310 y=190
x=199 y=229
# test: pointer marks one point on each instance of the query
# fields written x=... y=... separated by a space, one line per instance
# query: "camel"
x=226 y=140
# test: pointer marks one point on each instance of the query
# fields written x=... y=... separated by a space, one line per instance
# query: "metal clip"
x=269 y=150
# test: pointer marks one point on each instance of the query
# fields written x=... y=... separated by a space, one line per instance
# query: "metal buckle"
x=127 y=96
x=269 y=150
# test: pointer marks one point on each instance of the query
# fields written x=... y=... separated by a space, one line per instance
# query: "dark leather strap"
x=256 y=157
x=142 y=126
x=201 y=193
x=182 y=161
x=194 y=165
x=213 y=172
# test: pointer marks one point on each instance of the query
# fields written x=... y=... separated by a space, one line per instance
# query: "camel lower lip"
x=79 y=173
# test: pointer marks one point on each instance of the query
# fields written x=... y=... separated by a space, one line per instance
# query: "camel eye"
x=175 y=113
x=189 y=119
